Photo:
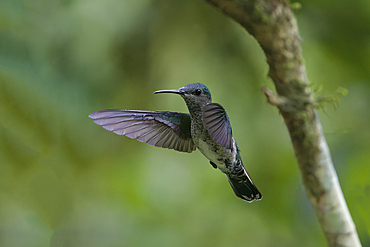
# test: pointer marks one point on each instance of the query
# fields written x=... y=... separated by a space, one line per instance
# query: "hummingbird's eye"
x=198 y=92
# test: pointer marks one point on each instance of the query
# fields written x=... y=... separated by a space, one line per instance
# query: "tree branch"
x=274 y=26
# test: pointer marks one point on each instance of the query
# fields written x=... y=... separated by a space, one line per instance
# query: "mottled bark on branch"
x=274 y=26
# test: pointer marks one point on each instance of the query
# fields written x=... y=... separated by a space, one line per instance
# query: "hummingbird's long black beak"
x=176 y=91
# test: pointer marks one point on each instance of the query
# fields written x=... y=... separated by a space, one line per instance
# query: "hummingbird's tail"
x=242 y=184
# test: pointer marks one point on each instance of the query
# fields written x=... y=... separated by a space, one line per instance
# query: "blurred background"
x=64 y=181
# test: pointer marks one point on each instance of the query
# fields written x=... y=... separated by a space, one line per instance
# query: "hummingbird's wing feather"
x=218 y=125
x=157 y=128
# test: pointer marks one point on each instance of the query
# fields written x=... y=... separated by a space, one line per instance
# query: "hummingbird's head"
x=193 y=94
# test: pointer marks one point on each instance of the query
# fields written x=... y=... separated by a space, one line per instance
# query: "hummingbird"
x=206 y=127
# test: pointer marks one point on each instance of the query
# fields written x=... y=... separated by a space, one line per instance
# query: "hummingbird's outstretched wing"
x=218 y=125
x=156 y=128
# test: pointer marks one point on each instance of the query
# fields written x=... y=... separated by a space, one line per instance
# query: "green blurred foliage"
x=65 y=181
